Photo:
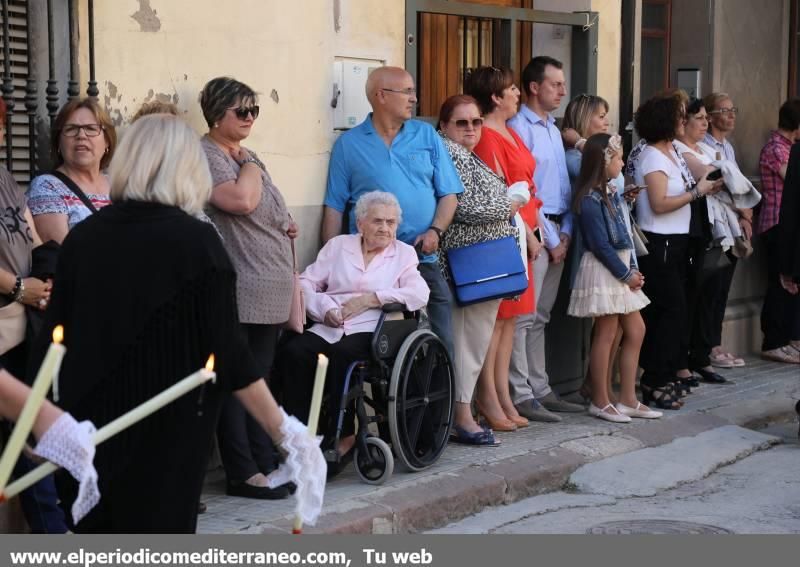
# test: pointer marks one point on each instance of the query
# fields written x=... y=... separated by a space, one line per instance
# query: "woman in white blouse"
x=664 y=214
x=700 y=292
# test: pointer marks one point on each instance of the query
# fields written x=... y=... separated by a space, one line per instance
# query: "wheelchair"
x=411 y=395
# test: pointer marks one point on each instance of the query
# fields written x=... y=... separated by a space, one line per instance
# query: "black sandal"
x=662 y=398
x=680 y=387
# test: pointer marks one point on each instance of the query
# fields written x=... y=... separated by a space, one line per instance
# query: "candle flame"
x=210 y=363
x=322 y=358
x=58 y=334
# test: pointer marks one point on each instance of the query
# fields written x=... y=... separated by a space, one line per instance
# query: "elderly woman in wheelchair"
x=355 y=280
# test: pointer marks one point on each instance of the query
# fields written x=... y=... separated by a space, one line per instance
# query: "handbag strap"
x=72 y=186
x=294 y=255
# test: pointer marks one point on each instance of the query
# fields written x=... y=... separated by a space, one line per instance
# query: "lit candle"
x=313 y=416
x=47 y=371
x=121 y=423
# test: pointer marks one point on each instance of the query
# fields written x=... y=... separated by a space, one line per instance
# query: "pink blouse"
x=339 y=274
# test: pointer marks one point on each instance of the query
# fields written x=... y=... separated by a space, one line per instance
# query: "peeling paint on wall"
x=118 y=109
x=116 y=117
x=146 y=17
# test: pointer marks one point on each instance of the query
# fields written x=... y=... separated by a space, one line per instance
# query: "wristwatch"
x=437 y=230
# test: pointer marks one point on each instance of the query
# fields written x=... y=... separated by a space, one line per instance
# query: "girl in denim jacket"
x=608 y=283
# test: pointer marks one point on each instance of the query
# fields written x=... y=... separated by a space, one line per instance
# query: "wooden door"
x=450 y=46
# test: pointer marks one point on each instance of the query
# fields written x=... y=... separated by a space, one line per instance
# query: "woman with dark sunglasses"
x=483 y=213
x=257 y=232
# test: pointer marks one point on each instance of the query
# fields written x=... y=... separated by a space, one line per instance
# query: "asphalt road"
x=757 y=494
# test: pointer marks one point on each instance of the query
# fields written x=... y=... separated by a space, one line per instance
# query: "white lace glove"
x=70 y=445
x=305 y=466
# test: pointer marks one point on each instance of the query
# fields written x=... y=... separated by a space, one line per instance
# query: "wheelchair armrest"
x=393 y=307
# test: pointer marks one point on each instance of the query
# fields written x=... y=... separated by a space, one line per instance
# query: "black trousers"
x=296 y=367
x=695 y=341
x=244 y=446
x=720 y=286
x=664 y=268
x=780 y=314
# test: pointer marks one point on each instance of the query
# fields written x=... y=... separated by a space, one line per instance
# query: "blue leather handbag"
x=487 y=270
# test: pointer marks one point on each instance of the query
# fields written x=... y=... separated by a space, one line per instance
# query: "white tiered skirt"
x=597 y=292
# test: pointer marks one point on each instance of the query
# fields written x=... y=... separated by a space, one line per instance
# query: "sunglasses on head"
x=242 y=111
x=464 y=123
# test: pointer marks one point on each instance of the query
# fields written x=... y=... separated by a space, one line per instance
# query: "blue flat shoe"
x=479 y=438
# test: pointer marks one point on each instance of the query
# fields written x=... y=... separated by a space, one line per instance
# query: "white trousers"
x=472 y=332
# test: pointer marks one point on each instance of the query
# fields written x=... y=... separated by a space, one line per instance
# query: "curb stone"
x=452 y=496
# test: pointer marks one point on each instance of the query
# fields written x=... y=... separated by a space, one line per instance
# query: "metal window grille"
x=39 y=64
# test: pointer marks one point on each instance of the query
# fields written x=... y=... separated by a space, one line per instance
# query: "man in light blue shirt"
x=544 y=84
x=389 y=152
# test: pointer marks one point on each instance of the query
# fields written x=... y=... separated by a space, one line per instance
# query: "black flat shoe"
x=334 y=468
x=710 y=376
x=693 y=380
x=244 y=490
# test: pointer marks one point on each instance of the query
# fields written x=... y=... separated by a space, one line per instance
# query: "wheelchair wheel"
x=377 y=465
x=421 y=405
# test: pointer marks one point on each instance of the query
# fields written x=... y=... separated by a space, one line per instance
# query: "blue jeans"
x=40 y=502
x=439 y=304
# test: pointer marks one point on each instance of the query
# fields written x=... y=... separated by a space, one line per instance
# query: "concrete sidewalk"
x=534 y=460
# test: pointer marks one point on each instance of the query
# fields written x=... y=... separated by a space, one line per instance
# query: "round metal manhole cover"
x=665 y=527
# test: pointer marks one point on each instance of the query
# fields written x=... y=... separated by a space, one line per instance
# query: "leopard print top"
x=484 y=208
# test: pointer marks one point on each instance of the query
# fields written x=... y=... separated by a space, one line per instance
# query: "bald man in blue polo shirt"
x=390 y=152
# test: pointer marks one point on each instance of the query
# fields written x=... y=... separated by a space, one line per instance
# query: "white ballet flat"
x=615 y=415
x=638 y=412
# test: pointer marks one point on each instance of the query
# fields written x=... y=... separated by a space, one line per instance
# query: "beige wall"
x=168 y=49
x=608 y=55
x=751 y=54
x=691 y=44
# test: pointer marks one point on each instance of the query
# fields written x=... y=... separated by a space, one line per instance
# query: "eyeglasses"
x=725 y=111
x=407 y=92
x=242 y=111
x=91 y=130
x=464 y=123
